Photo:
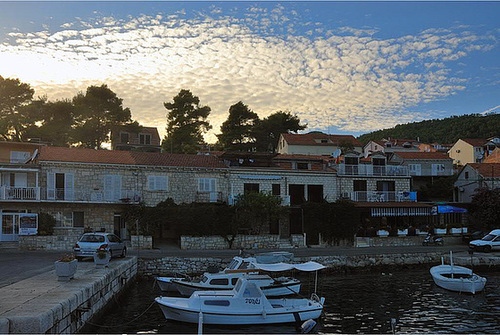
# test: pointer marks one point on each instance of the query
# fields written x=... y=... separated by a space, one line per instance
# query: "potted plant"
x=101 y=258
x=66 y=267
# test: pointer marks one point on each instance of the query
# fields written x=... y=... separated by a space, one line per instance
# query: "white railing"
x=208 y=197
x=430 y=172
x=93 y=196
x=372 y=170
x=381 y=196
x=19 y=193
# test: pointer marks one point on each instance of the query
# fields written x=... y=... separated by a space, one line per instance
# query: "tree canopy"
x=97 y=112
x=268 y=130
x=485 y=209
x=186 y=123
x=236 y=131
x=447 y=130
x=14 y=97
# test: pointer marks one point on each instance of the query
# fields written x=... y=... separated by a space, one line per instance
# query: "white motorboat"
x=226 y=281
x=165 y=283
x=457 y=278
x=245 y=304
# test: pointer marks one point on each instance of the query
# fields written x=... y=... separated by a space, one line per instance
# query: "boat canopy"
x=277 y=267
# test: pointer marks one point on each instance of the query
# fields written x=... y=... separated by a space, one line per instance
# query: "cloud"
x=353 y=80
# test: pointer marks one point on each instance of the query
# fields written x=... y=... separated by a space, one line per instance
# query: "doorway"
x=9 y=227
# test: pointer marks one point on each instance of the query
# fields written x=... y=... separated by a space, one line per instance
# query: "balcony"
x=19 y=193
x=381 y=196
x=431 y=172
x=372 y=170
x=208 y=197
x=90 y=196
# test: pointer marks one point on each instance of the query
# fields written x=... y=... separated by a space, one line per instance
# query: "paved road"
x=16 y=265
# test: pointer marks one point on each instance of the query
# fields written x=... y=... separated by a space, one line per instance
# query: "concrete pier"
x=42 y=304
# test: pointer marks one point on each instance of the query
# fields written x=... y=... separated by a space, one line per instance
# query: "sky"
x=341 y=67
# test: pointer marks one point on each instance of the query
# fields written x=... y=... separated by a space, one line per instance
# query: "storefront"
x=17 y=222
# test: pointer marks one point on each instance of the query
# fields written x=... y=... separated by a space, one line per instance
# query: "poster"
x=28 y=224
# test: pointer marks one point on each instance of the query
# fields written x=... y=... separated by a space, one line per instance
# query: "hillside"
x=443 y=131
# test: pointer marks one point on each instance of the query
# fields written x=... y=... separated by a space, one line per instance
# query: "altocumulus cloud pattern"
x=344 y=76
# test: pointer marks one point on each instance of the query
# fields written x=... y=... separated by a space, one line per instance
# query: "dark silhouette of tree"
x=97 y=111
x=186 y=123
x=236 y=131
x=485 y=209
x=14 y=97
x=268 y=130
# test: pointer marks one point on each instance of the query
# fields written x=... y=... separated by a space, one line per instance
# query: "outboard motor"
x=308 y=326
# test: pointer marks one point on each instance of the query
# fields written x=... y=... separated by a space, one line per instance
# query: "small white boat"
x=226 y=281
x=457 y=278
x=245 y=304
x=165 y=283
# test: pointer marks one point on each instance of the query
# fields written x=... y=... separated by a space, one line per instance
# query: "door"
x=59 y=186
x=10 y=227
x=359 y=187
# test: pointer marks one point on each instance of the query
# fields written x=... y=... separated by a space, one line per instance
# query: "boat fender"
x=307 y=326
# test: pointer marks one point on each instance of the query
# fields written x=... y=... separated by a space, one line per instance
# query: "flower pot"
x=65 y=270
x=456 y=231
x=101 y=259
x=440 y=231
x=402 y=232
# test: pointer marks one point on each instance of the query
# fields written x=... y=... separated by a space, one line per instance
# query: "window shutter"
x=162 y=183
x=117 y=187
x=151 y=183
x=51 y=185
x=108 y=187
x=69 y=186
x=212 y=185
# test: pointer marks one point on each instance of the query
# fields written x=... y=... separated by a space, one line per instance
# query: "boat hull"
x=186 y=289
x=165 y=283
x=442 y=277
x=191 y=316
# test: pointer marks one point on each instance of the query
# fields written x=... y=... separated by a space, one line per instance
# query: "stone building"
x=474 y=176
x=315 y=143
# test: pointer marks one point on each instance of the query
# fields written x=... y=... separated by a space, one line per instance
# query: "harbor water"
x=403 y=301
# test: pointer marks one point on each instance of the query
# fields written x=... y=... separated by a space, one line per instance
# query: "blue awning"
x=442 y=209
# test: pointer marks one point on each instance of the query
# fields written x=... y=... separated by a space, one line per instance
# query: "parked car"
x=89 y=243
x=488 y=243
x=477 y=235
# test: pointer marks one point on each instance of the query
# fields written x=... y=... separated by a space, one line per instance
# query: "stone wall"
x=64 y=307
x=241 y=242
x=141 y=242
x=346 y=183
x=54 y=242
x=196 y=266
x=399 y=241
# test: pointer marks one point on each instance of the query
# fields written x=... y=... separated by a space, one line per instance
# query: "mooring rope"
x=123 y=324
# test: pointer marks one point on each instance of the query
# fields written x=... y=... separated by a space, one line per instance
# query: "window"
x=157 y=183
x=466 y=174
x=216 y=302
x=437 y=169
x=351 y=160
x=112 y=187
x=276 y=189
x=219 y=281
x=19 y=156
x=250 y=188
x=302 y=166
x=78 y=219
x=124 y=138
x=145 y=139
x=206 y=185
x=63 y=219
x=234 y=281
x=92 y=238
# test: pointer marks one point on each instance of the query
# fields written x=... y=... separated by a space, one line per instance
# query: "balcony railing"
x=19 y=193
x=372 y=170
x=381 y=196
x=208 y=197
x=430 y=172
x=93 y=196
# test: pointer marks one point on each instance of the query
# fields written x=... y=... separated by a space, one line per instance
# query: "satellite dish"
x=337 y=153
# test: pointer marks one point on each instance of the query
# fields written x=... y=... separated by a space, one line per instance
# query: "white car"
x=488 y=243
x=89 y=243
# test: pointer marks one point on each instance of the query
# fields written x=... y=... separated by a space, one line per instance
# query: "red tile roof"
x=302 y=157
x=487 y=170
x=494 y=157
x=475 y=142
x=309 y=139
x=78 y=155
x=423 y=155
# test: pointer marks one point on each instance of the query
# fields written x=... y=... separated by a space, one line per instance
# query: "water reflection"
x=355 y=303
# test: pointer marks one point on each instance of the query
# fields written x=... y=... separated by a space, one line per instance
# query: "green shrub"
x=46 y=224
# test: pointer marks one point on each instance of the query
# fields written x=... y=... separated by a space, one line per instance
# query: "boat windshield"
x=233 y=264
x=244 y=265
x=251 y=291
x=489 y=237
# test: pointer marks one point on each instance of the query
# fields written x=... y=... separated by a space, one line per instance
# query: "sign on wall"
x=28 y=224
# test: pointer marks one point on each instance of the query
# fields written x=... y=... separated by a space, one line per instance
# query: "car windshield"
x=489 y=237
x=92 y=238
